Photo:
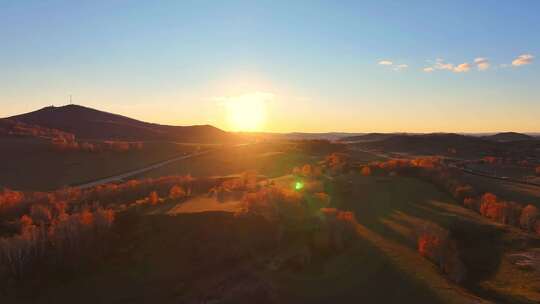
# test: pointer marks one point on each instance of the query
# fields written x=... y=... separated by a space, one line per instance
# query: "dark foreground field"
x=221 y=240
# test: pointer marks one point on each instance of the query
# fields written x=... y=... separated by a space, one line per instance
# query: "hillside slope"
x=87 y=123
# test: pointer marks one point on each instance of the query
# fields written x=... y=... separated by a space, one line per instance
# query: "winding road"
x=132 y=173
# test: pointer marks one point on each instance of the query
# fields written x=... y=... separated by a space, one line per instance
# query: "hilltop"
x=509 y=136
x=88 y=123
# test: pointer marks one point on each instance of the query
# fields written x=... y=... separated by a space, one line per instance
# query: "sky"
x=279 y=66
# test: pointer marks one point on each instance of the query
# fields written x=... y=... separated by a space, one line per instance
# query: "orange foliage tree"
x=529 y=217
x=177 y=192
x=365 y=171
x=153 y=198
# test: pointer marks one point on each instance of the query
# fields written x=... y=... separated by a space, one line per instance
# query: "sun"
x=247 y=112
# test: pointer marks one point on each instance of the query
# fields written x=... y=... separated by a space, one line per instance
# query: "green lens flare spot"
x=298 y=185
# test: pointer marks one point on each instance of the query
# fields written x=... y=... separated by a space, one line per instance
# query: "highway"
x=132 y=173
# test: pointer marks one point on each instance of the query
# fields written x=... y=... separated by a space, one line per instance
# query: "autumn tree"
x=176 y=192
x=436 y=244
x=337 y=229
x=153 y=198
x=529 y=217
x=40 y=214
x=365 y=171
x=463 y=191
x=472 y=203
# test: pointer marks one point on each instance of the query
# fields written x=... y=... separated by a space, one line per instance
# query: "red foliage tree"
x=472 y=203
x=40 y=214
x=176 y=192
x=10 y=199
x=435 y=244
x=153 y=198
x=530 y=215
x=461 y=192
x=490 y=159
x=338 y=228
x=365 y=171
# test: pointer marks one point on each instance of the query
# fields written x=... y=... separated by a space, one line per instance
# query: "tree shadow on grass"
x=397 y=207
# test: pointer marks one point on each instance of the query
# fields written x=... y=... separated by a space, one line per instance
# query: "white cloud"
x=441 y=65
x=482 y=63
x=462 y=68
x=394 y=66
x=523 y=60
x=400 y=67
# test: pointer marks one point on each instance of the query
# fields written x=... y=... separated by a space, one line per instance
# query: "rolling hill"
x=88 y=123
x=436 y=143
x=509 y=136
x=370 y=137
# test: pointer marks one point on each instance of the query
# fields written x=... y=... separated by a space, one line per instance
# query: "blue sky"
x=316 y=64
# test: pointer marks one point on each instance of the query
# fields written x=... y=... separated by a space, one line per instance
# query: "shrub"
x=461 y=192
x=10 y=198
x=40 y=214
x=153 y=198
x=275 y=204
x=337 y=162
x=435 y=244
x=472 y=203
x=63 y=239
x=308 y=170
x=491 y=159
x=365 y=171
x=336 y=230
x=321 y=199
x=176 y=192
x=426 y=162
x=529 y=217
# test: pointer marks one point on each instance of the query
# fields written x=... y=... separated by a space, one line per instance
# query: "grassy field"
x=197 y=249
x=179 y=250
x=513 y=171
x=525 y=194
x=267 y=159
x=391 y=209
x=32 y=164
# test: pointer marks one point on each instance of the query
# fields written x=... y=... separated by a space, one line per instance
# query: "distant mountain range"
x=449 y=143
x=371 y=136
x=91 y=124
x=500 y=137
